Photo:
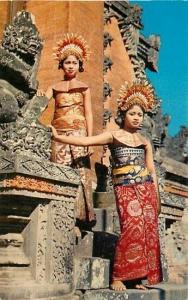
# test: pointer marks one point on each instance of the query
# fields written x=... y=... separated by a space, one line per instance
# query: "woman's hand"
x=90 y=151
x=54 y=131
x=40 y=93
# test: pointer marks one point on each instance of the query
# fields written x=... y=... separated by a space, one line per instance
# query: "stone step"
x=15 y=273
x=84 y=244
x=35 y=291
x=159 y=292
x=107 y=220
x=91 y=273
x=67 y=297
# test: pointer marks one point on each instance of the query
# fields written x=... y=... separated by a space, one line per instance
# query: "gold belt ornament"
x=130 y=169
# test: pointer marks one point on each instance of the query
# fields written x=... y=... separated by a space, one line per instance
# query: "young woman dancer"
x=73 y=117
x=137 y=254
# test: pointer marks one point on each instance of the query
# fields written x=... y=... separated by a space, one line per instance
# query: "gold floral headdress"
x=72 y=44
x=139 y=92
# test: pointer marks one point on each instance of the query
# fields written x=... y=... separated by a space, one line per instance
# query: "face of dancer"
x=71 y=66
x=133 y=117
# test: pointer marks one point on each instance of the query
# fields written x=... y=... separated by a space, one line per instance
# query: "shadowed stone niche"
x=36 y=196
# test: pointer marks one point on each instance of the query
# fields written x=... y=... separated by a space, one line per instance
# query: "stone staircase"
x=93 y=262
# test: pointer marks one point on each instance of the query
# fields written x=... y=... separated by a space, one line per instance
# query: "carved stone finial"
x=155 y=41
x=107 y=64
x=19 y=58
x=106 y=90
x=19 y=110
x=107 y=116
x=177 y=146
x=107 y=39
x=108 y=14
x=132 y=16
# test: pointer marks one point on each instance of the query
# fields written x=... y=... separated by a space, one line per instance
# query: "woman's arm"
x=88 y=112
x=101 y=139
x=151 y=168
x=49 y=93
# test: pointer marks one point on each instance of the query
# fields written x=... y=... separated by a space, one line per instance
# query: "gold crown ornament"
x=136 y=93
x=72 y=44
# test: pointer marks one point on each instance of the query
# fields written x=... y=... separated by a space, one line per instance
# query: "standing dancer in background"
x=137 y=254
x=73 y=117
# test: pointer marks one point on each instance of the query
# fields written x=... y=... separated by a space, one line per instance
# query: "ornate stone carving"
x=175 y=250
x=142 y=52
x=107 y=64
x=107 y=39
x=155 y=125
x=148 y=50
x=106 y=116
x=171 y=212
x=37 y=167
x=177 y=146
x=62 y=241
x=162 y=228
x=139 y=68
x=107 y=90
x=32 y=139
x=42 y=242
x=185 y=152
x=131 y=13
x=108 y=14
x=39 y=185
x=19 y=57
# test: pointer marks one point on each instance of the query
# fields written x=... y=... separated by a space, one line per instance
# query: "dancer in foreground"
x=137 y=254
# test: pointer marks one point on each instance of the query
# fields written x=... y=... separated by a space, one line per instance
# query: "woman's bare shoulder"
x=81 y=84
x=58 y=85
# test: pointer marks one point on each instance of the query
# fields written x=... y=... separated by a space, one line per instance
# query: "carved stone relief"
x=42 y=233
x=107 y=64
x=62 y=241
x=107 y=90
x=107 y=39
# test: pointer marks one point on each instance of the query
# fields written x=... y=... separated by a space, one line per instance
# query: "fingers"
x=40 y=93
x=50 y=126
x=90 y=151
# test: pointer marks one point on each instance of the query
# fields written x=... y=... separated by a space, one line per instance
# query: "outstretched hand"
x=90 y=151
x=54 y=131
x=40 y=93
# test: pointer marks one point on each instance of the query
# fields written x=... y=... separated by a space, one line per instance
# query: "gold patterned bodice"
x=69 y=110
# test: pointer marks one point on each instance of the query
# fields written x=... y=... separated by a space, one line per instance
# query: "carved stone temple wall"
x=38 y=255
x=36 y=196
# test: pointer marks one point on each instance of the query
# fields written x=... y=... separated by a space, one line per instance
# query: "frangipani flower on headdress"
x=138 y=92
x=72 y=44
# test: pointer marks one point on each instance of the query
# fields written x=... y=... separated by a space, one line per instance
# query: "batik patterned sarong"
x=78 y=158
x=137 y=250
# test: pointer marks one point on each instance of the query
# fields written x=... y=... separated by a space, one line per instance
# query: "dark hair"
x=121 y=115
x=81 y=69
x=120 y=118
